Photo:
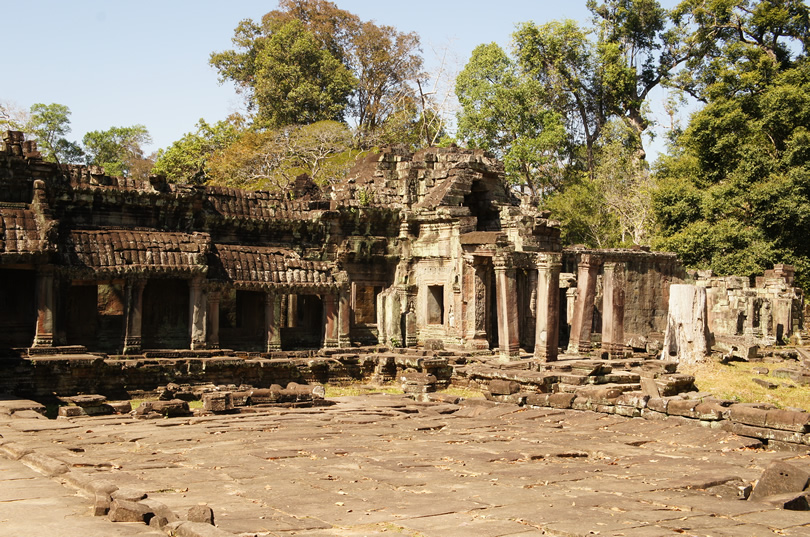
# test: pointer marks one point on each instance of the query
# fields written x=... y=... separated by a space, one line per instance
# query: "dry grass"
x=734 y=381
x=392 y=388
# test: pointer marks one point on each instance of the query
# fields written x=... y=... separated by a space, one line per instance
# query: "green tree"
x=293 y=80
x=310 y=61
x=50 y=123
x=186 y=160
x=508 y=113
x=735 y=196
x=119 y=150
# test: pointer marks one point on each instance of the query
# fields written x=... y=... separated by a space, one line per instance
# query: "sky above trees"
x=125 y=63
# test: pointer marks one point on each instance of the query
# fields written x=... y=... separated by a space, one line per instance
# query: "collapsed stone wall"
x=742 y=316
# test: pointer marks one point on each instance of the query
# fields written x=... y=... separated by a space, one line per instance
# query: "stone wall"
x=743 y=314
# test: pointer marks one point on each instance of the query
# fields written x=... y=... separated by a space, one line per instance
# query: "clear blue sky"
x=124 y=63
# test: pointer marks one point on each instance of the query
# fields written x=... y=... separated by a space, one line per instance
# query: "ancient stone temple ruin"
x=410 y=249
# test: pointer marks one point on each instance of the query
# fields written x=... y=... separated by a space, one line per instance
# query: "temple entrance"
x=241 y=320
x=304 y=326
x=18 y=315
x=492 y=309
x=166 y=315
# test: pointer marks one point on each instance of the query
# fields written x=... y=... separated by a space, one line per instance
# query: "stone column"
x=547 y=333
x=330 y=314
x=45 y=297
x=292 y=310
x=197 y=313
x=613 y=310
x=344 y=317
x=587 y=270
x=272 y=319
x=133 y=316
x=213 y=319
x=506 y=296
x=410 y=317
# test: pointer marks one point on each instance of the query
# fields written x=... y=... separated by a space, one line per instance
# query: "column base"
x=132 y=345
x=541 y=352
x=344 y=342
x=273 y=347
x=509 y=355
x=43 y=340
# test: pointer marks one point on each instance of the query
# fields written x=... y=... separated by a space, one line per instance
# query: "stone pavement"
x=381 y=465
x=32 y=504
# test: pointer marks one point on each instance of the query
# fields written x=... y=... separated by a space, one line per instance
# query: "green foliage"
x=50 y=123
x=508 y=113
x=186 y=160
x=584 y=215
x=736 y=195
x=119 y=151
x=310 y=61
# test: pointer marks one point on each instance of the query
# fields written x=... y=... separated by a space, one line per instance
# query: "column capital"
x=549 y=261
x=589 y=260
x=502 y=262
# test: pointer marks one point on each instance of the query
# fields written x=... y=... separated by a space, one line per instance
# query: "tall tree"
x=119 y=150
x=735 y=197
x=50 y=123
x=508 y=113
x=187 y=159
x=379 y=66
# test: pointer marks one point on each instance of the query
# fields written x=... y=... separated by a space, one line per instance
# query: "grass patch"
x=734 y=381
x=392 y=388
x=465 y=393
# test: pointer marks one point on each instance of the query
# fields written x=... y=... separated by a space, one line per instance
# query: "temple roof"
x=117 y=252
x=266 y=266
x=20 y=236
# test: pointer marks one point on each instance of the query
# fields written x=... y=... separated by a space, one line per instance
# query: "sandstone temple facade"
x=410 y=249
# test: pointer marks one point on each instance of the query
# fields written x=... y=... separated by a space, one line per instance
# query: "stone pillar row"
x=547 y=334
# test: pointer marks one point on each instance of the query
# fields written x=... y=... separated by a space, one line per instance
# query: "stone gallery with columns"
x=410 y=249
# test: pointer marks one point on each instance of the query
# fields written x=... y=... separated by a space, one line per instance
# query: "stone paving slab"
x=379 y=465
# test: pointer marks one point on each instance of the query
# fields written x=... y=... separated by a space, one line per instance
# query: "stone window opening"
x=435 y=304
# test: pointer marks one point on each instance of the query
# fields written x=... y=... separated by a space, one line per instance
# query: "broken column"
x=45 y=307
x=547 y=334
x=613 y=310
x=506 y=294
x=686 y=338
x=272 y=317
x=582 y=321
x=344 y=317
x=213 y=319
x=133 y=316
x=330 y=313
x=197 y=313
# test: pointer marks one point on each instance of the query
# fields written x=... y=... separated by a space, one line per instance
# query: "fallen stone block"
x=748 y=415
x=633 y=399
x=788 y=420
x=711 y=411
x=70 y=412
x=765 y=383
x=561 y=400
x=163 y=515
x=194 y=529
x=780 y=478
x=628 y=411
x=763 y=433
x=792 y=501
x=44 y=464
x=682 y=407
x=128 y=494
x=101 y=504
x=124 y=511
x=600 y=394
x=201 y=513
x=170 y=409
x=15 y=451
x=217 y=402
x=241 y=398
x=760 y=370
x=121 y=407
x=658 y=404
x=503 y=387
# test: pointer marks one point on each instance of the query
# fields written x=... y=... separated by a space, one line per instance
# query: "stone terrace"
x=378 y=464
